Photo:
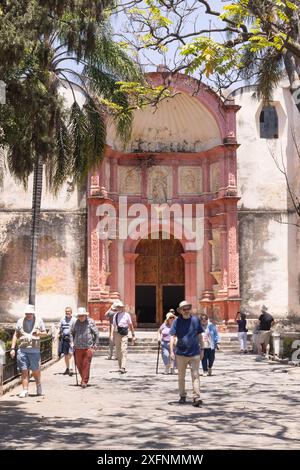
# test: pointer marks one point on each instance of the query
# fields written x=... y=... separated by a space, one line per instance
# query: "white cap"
x=29 y=309
x=82 y=311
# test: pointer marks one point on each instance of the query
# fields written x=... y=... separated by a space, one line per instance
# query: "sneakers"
x=205 y=373
x=71 y=372
x=83 y=385
x=182 y=401
x=197 y=402
x=23 y=394
x=172 y=371
x=209 y=372
x=109 y=358
x=66 y=372
x=39 y=391
x=166 y=370
x=122 y=370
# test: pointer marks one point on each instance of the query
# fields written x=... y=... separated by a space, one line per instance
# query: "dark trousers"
x=208 y=359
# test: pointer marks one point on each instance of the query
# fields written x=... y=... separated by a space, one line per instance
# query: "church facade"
x=194 y=207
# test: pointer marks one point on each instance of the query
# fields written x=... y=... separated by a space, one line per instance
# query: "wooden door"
x=159 y=264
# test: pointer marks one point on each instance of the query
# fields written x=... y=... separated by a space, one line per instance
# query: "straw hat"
x=82 y=311
x=183 y=304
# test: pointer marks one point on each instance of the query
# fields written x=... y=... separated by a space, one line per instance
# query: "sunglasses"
x=186 y=309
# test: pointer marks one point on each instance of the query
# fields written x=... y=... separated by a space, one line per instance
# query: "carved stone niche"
x=190 y=180
x=129 y=180
x=159 y=184
x=216 y=258
x=215 y=177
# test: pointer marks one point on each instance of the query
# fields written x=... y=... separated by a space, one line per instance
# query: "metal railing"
x=10 y=370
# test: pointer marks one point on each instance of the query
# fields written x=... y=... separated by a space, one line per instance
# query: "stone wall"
x=268 y=238
x=61 y=269
x=62 y=252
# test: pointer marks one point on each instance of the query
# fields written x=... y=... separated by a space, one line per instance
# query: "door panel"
x=159 y=262
x=172 y=296
x=145 y=304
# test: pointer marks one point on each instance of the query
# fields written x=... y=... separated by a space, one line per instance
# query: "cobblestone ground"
x=247 y=405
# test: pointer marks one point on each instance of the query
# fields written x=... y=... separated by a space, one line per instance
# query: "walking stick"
x=157 y=361
x=75 y=368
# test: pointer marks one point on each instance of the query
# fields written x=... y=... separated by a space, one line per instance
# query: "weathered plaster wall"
x=269 y=245
x=263 y=262
x=61 y=270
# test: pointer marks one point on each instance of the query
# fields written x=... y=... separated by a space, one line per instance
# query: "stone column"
x=144 y=172
x=232 y=172
x=113 y=256
x=94 y=287
x=208 y=293
x=113 y=177
x=233 y=259
x=190 y=265
x=175 y=195
x=206 y=175
x=129 y=279
x=223 y=292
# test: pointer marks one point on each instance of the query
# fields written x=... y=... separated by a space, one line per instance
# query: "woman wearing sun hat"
x=163 y=337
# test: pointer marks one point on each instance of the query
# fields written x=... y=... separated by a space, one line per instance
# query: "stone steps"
x=146 y=343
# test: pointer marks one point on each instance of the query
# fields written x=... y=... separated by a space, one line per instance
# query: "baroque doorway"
x=159 y=278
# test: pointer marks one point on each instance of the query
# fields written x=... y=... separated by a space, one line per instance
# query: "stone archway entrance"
x=159 y=278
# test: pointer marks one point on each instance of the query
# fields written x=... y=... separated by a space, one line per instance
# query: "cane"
x=157 y=361
x=75 y=368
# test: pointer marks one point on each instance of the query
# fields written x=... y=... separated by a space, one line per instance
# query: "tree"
x=45 y=45
x=254 y=40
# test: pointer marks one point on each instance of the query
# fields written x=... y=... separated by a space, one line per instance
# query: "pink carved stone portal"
x=211 y=179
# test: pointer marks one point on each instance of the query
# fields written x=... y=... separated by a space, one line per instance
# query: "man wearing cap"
x=188 y=331
x=65 y=338
x=84 y=338
x=122 y=323
x=109 y=315
x=28 y=332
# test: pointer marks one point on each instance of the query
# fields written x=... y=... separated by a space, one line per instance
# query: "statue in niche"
x=159 y=187
x=190 y=182
x=131 y=182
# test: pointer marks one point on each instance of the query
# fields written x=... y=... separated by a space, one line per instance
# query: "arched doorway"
x=159 y=278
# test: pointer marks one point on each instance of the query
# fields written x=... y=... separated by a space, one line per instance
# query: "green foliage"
x=287 y=347
x=38 y=42
x=248 y=39
x=6 y=337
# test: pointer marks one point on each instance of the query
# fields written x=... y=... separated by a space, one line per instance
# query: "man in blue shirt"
x=189 y=349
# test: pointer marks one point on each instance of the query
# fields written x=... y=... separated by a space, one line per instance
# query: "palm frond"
x=269 y=75
x=60 y=166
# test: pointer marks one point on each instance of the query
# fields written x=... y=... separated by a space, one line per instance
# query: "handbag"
x=122 y=330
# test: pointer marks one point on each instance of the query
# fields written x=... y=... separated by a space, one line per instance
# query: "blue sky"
x=151 y=59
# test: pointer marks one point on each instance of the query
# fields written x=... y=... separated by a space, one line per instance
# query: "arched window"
x=268 y=121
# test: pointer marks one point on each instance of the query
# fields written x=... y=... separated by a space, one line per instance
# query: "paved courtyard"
x=247 y=405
